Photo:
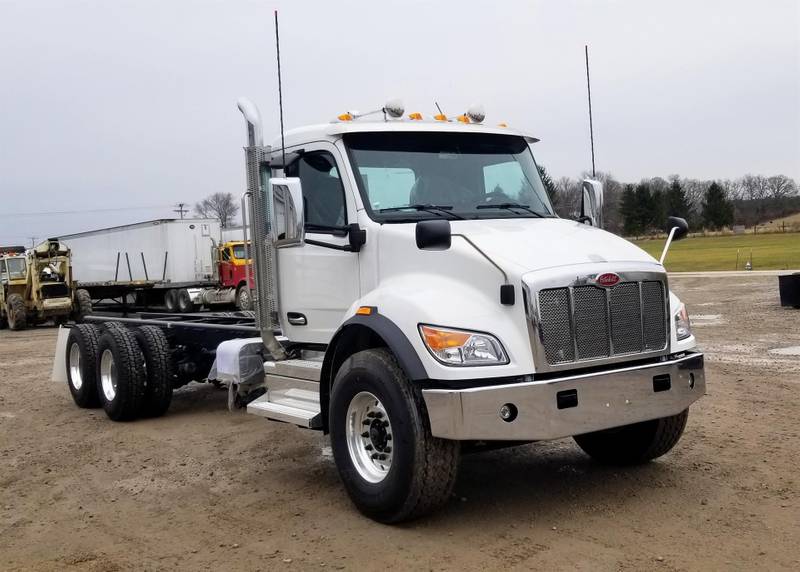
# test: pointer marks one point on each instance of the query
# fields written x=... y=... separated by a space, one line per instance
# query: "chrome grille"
x=589 y=322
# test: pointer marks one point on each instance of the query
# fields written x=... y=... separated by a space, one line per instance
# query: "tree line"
x=635 y=209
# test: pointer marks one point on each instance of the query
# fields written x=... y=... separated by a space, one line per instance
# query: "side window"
x=323 y=193
x=3 y=271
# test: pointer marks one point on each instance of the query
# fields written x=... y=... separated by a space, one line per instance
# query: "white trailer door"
x=318 y=284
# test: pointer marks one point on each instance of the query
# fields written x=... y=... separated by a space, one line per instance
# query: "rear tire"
x=171 y=301
x=634 y=444
x=82 y=365
x=83 y=305
x=16 y=312
x=185 y=304
x=243 y=300
x=158 y=370
x=120 y=374
x=374 y=406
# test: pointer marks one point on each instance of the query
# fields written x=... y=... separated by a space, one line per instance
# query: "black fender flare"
x=380 y=327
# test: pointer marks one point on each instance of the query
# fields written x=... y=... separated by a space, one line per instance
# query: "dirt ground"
x=205 y=489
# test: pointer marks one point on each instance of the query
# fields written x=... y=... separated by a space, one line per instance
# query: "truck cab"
x=232 y=260
x=429 y=296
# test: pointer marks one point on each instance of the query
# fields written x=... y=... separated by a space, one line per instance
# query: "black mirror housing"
x=680 y=224
x=434 y=234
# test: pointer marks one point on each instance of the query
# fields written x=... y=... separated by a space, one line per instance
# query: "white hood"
x=536 y=244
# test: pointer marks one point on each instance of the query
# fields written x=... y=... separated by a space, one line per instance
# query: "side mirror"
x=680 y=226
x=288 y=216
x=433 y=234
x=592 y=203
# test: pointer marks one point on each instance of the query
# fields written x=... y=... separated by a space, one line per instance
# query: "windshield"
x=16 y=268
x=452 y=175
x=238 y=252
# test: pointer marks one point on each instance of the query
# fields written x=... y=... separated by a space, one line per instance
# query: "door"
x=318 y=283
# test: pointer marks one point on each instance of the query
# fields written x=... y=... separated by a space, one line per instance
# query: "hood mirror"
x=677 y=228
x=434 y=234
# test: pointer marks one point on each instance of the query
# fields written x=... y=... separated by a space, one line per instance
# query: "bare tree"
x=781 y=186
x=221 y=206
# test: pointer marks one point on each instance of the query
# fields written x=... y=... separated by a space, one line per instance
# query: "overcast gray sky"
x=112 y=104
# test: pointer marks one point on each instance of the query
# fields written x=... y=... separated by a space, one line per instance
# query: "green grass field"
x=776 y=251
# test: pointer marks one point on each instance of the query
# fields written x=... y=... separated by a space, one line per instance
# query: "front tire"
x=82 y=365
x=16 y=312
x=634 y=444
x=392 y=467
x=83 y=305
x=243 y=300
x=120 y=375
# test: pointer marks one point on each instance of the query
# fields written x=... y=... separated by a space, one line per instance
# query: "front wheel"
x=634 y=444
x=243 y=300
x=390 y=464
x=16 y=312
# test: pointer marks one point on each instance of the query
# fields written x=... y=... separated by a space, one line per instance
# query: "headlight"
x=683 y=327
x=459 y=347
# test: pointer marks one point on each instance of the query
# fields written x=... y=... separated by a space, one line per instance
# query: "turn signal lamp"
x=416 y=116
x=463 y=118
x=440 y=117
x=345 y=117
x=364 y=311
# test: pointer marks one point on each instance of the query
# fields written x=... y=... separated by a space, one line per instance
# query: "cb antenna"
x=589 y=92
x=280 y=91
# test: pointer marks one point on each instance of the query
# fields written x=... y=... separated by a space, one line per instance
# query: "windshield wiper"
x=511 y=207
x=433 y=209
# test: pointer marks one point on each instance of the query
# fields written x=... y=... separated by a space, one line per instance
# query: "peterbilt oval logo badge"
x=607 y=280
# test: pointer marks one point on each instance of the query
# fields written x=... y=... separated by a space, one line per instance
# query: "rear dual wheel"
x=128 y=372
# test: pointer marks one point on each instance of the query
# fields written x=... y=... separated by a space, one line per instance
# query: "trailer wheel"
x=171 y=301
x=390 y=464
x=17 y=314
x=243 y=300
x=82 y=306
x=120 y=373
x=158 y=370
x=636 y=443
x=81 y=365
x=185 y=304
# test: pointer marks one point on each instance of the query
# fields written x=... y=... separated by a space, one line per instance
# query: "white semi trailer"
x=417 y=297
x=170 y=262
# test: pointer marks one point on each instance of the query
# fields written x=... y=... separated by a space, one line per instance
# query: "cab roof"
x=334 y=131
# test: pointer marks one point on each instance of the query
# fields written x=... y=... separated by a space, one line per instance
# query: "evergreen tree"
x=645 y=204
x=676 y=203
x=548 y=183
x=630 y=213
x=717 y=209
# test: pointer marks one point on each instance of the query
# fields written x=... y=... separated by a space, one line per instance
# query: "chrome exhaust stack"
x=263 y=248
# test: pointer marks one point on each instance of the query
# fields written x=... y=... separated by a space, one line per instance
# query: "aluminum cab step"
x=292 y=393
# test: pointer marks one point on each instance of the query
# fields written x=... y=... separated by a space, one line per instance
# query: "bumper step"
x=297 y=406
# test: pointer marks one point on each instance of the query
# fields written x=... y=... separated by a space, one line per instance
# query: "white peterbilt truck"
x=416 y=298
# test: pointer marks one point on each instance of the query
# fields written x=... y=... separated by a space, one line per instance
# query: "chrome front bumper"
x=569 y=405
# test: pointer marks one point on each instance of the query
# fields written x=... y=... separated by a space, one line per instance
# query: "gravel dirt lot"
x=205 y=489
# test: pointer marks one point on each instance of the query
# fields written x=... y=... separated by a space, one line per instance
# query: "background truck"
x=416 y=299
x=36 y=285
x=178 y=263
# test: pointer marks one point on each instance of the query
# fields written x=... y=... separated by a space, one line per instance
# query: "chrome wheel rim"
x=108 y=375
x=368 y=433
x=75 y=366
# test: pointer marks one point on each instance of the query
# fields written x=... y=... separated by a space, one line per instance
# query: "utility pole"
x=33 y=240
x=589 y=91
x=180 y=209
